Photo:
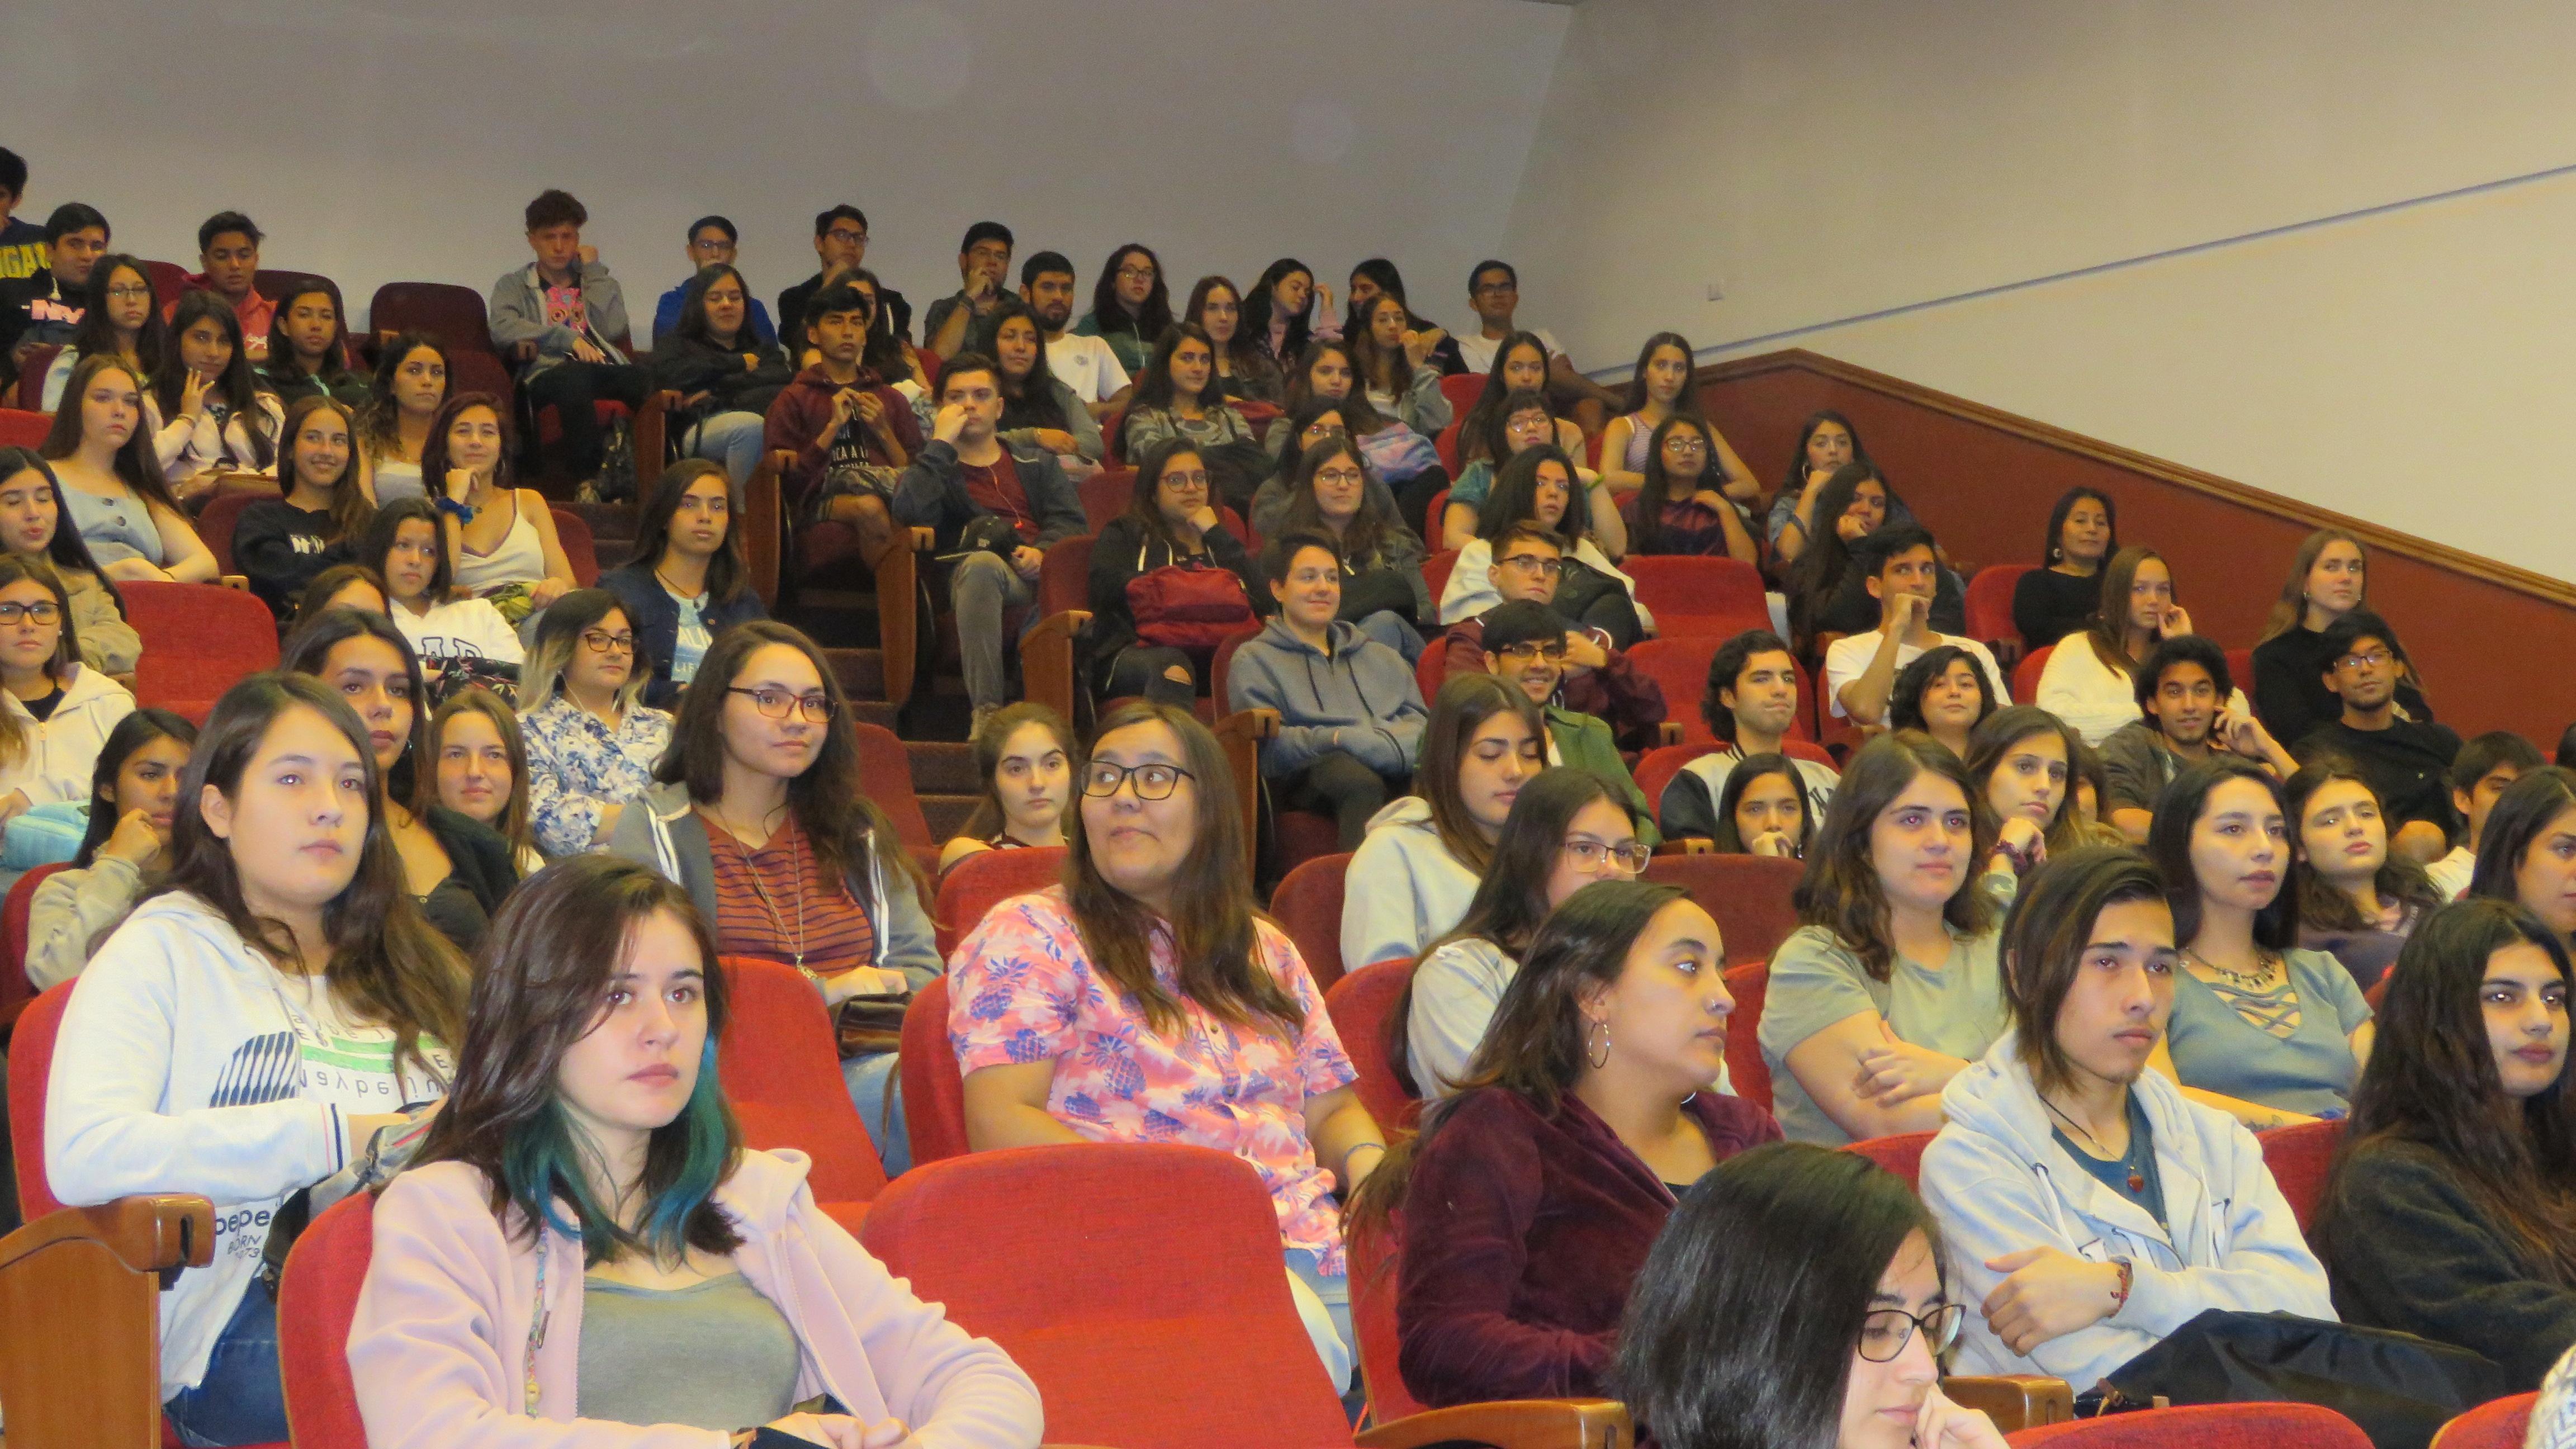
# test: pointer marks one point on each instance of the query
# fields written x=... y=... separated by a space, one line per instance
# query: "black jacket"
x=281 y=547
x=894 y=314
x=932 y=494
x=1113 y=567
x=2289 y=687
x=688 y=367
x=656 y=617
x=479 y=857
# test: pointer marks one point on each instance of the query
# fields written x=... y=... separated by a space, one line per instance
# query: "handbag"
x=2399 y=1388
x=1187 y=604
x=870 y=1025
x=1397 y=452
x=45 y=834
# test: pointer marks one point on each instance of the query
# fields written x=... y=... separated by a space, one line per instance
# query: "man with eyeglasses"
x=1088 y=365
x=982 y=260
x=1350 y=717
x=2408 y=761
x=46 y=308
x=712 y=239
x=1525 y=647
x=1494 y=291
x=841 y=245
x=2189 y=710
x=1529 y=560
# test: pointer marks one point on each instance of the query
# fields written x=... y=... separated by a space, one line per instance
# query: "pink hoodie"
x=439 y=1342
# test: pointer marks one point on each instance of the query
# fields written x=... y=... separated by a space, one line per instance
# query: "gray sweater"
x=518 y=309
x=1359 y=700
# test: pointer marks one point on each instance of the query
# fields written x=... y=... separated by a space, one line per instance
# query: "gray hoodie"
x=1999 y=1182
x=1361 y=700
x=518 y=314
x=1404 y=889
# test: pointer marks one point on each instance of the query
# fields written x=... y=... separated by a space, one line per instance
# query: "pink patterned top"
x=1021 y=990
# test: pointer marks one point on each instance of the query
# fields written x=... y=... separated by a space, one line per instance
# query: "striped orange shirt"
x=774 y=903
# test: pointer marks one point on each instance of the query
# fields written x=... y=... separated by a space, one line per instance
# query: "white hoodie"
x=1404 y=890
x=1999 y=1182
x=178 y=1069
x=62 y=751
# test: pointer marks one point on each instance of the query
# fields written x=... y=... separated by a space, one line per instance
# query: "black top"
x=2408 y=764
x=281 y=548
x=479 y=866
x=894 y=316
x=2289 y=686
x=2048 y=606
x=656 y=617
x=1113 y=567
x=43 y=709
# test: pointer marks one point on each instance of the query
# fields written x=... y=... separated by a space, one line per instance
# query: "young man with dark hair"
x=849 y=439
x=1525 y=647
x=1598 y=679
x=712 y=240
x=1902 y=570
x=228 y=254
x=50 y=303
x=1494 y=292
x=22 y=242
x=983 y=259
x=2479 y=773
x=1752 y=701
x=2184 y=693
x=1084 y=364
x=1350 y=719
x=841 y=245
x=964 y=475
x=2408 y=760
x=561 y=317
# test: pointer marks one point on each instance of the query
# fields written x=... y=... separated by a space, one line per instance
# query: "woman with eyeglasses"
x=1383 y=591
x=1798 y=1296
x=1531 y=1198
x=120 y=320
x=1683 y=508
x=1492 y=436
x=35 y=525
x=1146 y=999
x=757 y=808
x=55 y=712
x=1131 y=305
x=1540 y=484
x=592 y=742
x=1170 y=522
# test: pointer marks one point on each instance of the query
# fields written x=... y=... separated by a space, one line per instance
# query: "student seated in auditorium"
x=2089 y=1208
x=1383 y=589
x=1538 y=485
x=500 y=537
x=1888 y=988
x=342 y=586
x=1828 y=589
x=281 y=543
x=1243 y=369
x=1525 y=646
x=168 y=1075
x=1494 y=294
x=1391 y=362
x=402 y=547
x=124 y=848
x=1177 y=397
x=46 y=310
x=2263 y=1029
x=410 y=387
x=1664 y=386
x=2358 y=900
x=841 y=250
x=592 y=741
x=712 y=242
x=1764 y=810
x=1751 y=705
x=2018 y=761
x=55 y=711
x=1901 y=569
x=1038 y=409
x=228 y=262
x=2480 y=774
x=851 y=433
x=1290 y=435
x=689 y=579
x=110 y=481
x=756 y=808
x=1085 y=364
x=35 y=526
x=1528 y=566
x=1279 y=312
x=1378 y=277
x=2190 y=711
x=1566 y=829
x=2528 y=851
x=2329 y=578
x=1014 y=504
x=562 y=317
x=117 y=320
x=1170 y=523
x=1531 y=1199
x=1092 y=1010
x=1405 y=459
x=2408 y=760
x=2451 y=1211
x=1827 y=444
x=1026 y=760
x=1350 y=716
x=205 y=409
x=1411 y=880
x=983 y=260
x=308 y=350
x=1676 y=510
x=1131 y=306
x=726 y=373
x=482 y=760
x=2063 y=595
x=2091 y=678
x=1828 y=1274
x=1943 y=693
x=457 y=871
x=695 y=1283
x=1495 y=431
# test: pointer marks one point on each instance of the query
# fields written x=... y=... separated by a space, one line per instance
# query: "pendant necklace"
x=2137 y=1175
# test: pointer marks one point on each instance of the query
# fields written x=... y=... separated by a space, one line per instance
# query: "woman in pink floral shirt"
x=1145 y=1002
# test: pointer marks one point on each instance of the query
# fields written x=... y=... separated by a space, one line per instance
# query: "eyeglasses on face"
x=1136 y=274
x=1345 y=477
x=779 y=704
x=1532 y=563
x=1684 y=443
x=846 y=237
x=1628 y=856
x=1885 y=1332
x=1101 y=779
x=2372 y=660
x=1552 y=650
x=41 y=612
x=130 y=293
x=600 y=641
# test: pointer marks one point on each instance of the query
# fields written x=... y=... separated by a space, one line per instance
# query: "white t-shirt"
x=1477 y=350
x=2451 y=873
x=1849 y=659
x=1086 y=365
x=460 y=629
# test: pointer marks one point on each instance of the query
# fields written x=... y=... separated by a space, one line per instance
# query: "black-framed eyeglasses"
x=1886 y=1331
x=846 y=237
x=779 y=704
x=2375 y=659
x=1532 y=563
x=1552 y=650
x=1627 y=855
x=41 y=612
x=600 y=641
x=1101 y=779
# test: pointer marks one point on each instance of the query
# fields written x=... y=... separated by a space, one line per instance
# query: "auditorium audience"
x=482 y=762
x=2089 y=1209
x=2066 y=594
x=1279 y=311
x=308 y=350
x=32 y=527
x=841 y=250
x=2190 y=711
x=1244 y=369
x=1598 y=678
x=1521 y=362
x=1392 y=363
x=712 y=241
x=55 y=711
x=410 y=387
x=1664 y=386
x=124 y=850
x=1827 y=444
x=1383 y=588
x=983 y=259
x=1495 y=432
x=1083 y=363
x=402 y=547
x=1525 y=647
x=1538 y=485
x=1402 y=456
x=1038 y=409
x=2091 y=677
x=1288 y=438
x=47 y=312
x=592 y=742
x=281 y=543
x=696 y=1284
x=1412 y=879
x=2528 y=851
x=1177 y=397
x=725 y=372
x=2328 y=579
x=1763 y=809
x=564 y=318
x=1131 y=305
x=2020 y=759
x=284 y=919
x=1828 y=590
x=1379 y=277
x=1170 y=524
x=2408 y=761
x=2479 y=775
x=2451 y=1212
x=117 y=320
x=1901 y=569
x=205 y=409
x=1751 y=706
x=1888 y=987
x=2358 y=900
x=1675 y=511
x=1026 y=759
x=848 y=431
x=1944 y=693
x=689 y=580
x=228 y=270
x=499 y=536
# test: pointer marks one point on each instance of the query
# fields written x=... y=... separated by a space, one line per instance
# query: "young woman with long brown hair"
x=690 y=578
x=111 y=484
x=1171 y=521
x=55 y=711
x=1025 y=758
x=2329 y=578
x=34 y=524
x=281 y=543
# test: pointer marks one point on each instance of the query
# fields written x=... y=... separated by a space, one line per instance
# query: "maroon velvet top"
x=1521 y=1235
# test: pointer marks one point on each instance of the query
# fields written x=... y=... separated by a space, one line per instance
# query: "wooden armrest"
x=1046 y=660
x=898 y=576
x=2007 y=653
x=1241 y=734
x=2014 y=1401
x=1669 y=732
x=924 y=540
x=80 y=1318
x=1687 y=845
x=1512 y=1424
x=148 y=1233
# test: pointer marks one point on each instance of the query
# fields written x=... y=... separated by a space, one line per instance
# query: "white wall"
x=378 y=140
x=1838 y=161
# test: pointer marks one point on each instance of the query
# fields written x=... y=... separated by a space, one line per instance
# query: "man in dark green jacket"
x=1525 y=646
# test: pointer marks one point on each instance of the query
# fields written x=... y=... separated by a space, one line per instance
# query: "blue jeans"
x=878 y=1094
x=242 y=1398
x=1334 y=1292
x=732 y=439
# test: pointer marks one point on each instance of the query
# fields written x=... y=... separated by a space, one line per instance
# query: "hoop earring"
x=1598 y=1056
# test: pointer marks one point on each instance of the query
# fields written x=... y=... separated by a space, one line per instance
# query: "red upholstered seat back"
x=2300 y=1158
x=1308 y=906
x=1376 y=1258
x=1990 y=596
x=934 y=1091
x=31 y=1069
x=198 y=641
x=2498 y=1425
x=1692 y=596
x=2203 y=1426
x=317 y=1301
x=1901 y=1154
x=1744 y=1064
x=986 y=879
x=15 y=989
x=1748 y=894
x=782 y=1072
x=1361 y=1004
